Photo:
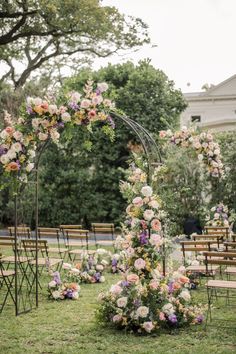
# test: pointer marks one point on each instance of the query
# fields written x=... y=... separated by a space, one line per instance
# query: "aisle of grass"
x=70 y=327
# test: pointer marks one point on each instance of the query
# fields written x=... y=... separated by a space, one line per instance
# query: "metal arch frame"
x=151 y=151
x=149 y=145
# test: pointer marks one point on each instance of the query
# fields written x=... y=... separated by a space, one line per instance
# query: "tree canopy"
x=62 y=32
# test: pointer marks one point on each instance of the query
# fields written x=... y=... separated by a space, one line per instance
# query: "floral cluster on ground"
x=59 y=290
x=44 y=119
x=146 y=299
x=207 y=150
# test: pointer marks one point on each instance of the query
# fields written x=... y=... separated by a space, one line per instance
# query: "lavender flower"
x=57 y=278
x=73 y=106
x=97 y=276
x=199 y=318
x=172 y=319
x=143 y=238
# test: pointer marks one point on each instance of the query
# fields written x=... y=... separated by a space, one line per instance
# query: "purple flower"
x=199 y=318
x=57 y=278
x=143 y=238
x=172 y=319
x=97 y=276
x=30 y=110
x=111 y=122
x=73 y=106
x=170 y=286
x=2 y=151
x=69 y=294
x=137 y=302
x=114 y=262
x=124 y=283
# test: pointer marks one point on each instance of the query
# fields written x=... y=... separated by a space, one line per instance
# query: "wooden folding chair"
x=77 y=238
x=53 y=233
x=213 y=286
x=196 y=247
x=103 y=230
x=6 y=281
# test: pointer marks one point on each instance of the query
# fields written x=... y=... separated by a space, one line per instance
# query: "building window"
x=195 y=119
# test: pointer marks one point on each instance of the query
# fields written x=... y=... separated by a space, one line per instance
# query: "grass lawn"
x=70 y=327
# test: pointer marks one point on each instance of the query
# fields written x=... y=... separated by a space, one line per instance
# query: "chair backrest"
x=7 y=242
x=76 y=234
x=103 y=229
x=21 y=231
x=220 y=258
x=230 y=246
x=48 y=232
x=196 y=246
x=217 y=230
x=30 y=246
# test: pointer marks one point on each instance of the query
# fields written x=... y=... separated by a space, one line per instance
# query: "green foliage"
x=48 y=35
x=183 y=187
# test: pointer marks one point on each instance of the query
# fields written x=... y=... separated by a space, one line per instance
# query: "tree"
x=62 y=32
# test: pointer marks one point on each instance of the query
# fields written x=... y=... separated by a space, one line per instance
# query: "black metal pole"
x=36 y=231
x=15 y=251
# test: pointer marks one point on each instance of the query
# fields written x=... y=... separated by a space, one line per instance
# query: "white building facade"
x=214 y=109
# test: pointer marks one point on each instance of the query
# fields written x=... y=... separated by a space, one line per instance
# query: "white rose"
x=29 y=167
x=31 y=153
x=66 y=117
x=99 y=268
x=4 y=159
x=75 y=295
x=42 y=136
x=16 y=147
x=101 y=251
x=154 y=204
x=102 y=86
x=52 y=284
x=54 y=135
x=11 y=154
x=102 y=279
x=85 y=103
x=168 y=309
x=52 y=109
x=18 y=135
x=142 y=311
x=122 y=301
x=4 y=134
x=200 y=157
x=146 y=191
x=75 y=96
x=35 y=123
x=56 y=294
x=37 y=101
x=66 y=266
x=148 y=214
x=216 y=216
x=185 y=295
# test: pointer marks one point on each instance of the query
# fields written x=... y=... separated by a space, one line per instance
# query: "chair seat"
x=221 y=284
x=11 y=259
x=105 y=242
x=75 y=244
x=43 y=261
x=7 y=273
x=230 y=270
x=77 y=251
x=58 y=250
x=201 y=268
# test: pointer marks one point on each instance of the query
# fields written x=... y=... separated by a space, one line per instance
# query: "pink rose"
x=140 y=264
x=115 y=289
x=148 y=326
x=85 y=103
x=162 y=316
x=117 y=318
x=162 y=134
x=156 y=225
x=155 y=240
x=133 y=278
x=138 y=201
x=153 y=284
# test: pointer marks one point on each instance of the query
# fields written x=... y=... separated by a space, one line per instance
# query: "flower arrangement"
x=59 y=290
x=145 y=307
x=207 y=150
x=146 y=300
x=89 y=270
x=218 y=216
x=44 y=119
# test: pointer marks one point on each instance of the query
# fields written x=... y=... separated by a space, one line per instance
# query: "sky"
x=195 y=39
